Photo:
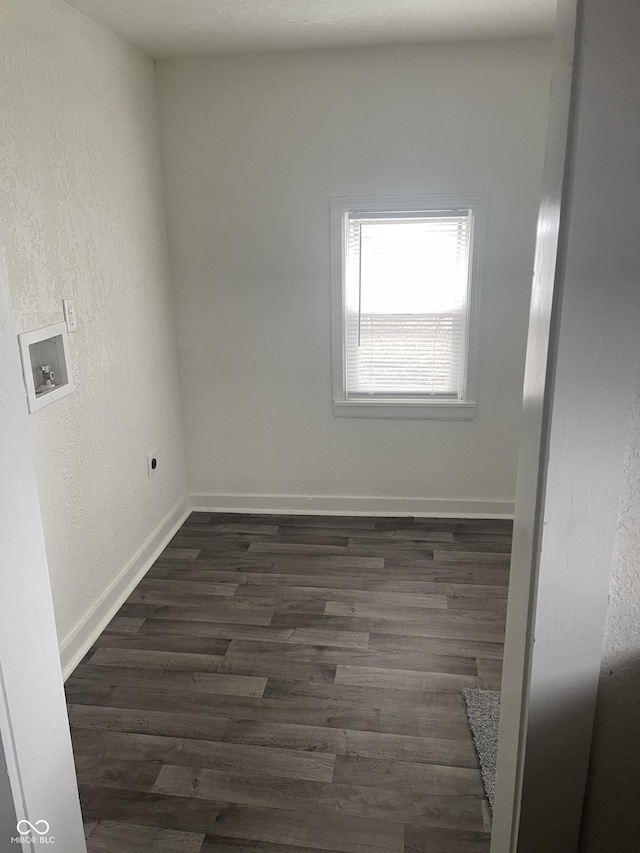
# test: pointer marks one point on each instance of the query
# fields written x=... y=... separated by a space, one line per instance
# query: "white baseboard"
x=326 y=505
x=75 y=646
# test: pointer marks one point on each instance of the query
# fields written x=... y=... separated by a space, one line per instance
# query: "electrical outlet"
x=69 y=306
x=153 y=461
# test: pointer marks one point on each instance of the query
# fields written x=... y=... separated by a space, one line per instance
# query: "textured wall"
x=81 y=215
x=611 y=821
x=254 y=147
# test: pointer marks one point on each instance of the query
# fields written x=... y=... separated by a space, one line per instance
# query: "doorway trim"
x=34 y=728
x=580 y=370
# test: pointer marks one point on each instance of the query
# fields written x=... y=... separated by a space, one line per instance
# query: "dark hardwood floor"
x=292 y=684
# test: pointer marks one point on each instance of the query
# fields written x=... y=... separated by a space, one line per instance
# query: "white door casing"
x=33 y=719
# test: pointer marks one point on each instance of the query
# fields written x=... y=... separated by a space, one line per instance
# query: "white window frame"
x=463 y=408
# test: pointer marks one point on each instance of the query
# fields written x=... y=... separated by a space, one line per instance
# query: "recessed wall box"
x=45 y=365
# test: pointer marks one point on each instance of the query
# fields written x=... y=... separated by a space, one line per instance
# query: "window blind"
x=406 y=298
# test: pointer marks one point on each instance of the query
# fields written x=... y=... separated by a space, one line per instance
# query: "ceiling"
x=173 y=28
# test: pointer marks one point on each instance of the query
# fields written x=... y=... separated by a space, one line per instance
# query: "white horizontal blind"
x=406 y=295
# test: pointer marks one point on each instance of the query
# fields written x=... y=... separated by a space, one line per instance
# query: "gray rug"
x=483 y=710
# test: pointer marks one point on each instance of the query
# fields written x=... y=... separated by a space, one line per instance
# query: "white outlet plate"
x=152 y=469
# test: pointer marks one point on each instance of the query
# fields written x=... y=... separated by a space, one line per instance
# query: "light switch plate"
x=69 y=306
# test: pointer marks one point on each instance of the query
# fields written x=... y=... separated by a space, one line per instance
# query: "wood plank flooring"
x=292 y=684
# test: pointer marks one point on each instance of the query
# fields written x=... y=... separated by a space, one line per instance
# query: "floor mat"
x=483 y=710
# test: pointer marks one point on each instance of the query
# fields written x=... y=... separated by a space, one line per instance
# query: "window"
x=404 y=290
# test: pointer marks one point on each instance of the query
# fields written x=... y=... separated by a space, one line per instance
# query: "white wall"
x=253 y=148
x=81 y=215
x=611 y=821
